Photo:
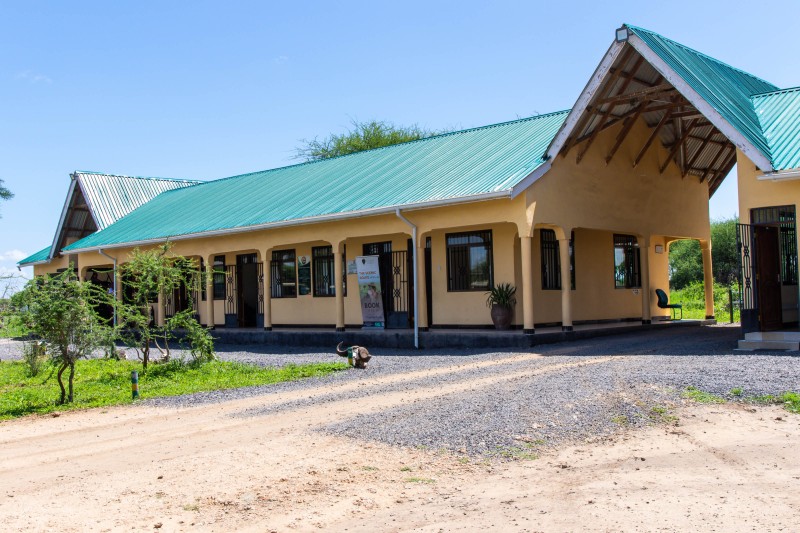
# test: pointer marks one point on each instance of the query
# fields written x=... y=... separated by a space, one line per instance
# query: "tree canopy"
x=361 y=136
x=686 y=261
x=5 y=194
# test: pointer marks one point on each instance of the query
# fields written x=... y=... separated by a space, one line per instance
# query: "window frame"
x=219 y=283
x=280 y=258
x=632 y=267
x=468 y=285
x=320 y=262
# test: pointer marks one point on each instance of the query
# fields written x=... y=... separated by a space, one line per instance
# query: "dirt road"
x=211 y=468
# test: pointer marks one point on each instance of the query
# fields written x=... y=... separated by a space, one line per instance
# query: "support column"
x=527 y=285
x=161 y=310
x=119 y=290
x=566 y=282
x=644 y=275
x=338 y=275
x=708 y=278
x=267 y=258
x=210 y=319
x=422 y=293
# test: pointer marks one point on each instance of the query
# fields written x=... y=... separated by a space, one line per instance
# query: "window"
x=324 y=276
x=469 y=261
x=551 y=260
x=283 y=274
x=219 y=277
x=626 y=262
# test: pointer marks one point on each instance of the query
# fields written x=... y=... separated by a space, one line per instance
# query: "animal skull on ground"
x=357 y=356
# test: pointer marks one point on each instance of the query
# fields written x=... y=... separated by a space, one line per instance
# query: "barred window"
x=626 y=262
x=469 y=261
x=283 y=274
x=219 y=277
x=551 y=260
x=324 y=276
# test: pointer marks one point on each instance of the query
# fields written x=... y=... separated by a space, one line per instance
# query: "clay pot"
x=501 y=316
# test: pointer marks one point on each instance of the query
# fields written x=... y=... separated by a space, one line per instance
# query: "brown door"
x=769 y=277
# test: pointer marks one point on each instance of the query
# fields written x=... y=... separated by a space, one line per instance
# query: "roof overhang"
x=781 y=175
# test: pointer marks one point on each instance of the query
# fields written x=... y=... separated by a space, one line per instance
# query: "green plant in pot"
x=501 y=300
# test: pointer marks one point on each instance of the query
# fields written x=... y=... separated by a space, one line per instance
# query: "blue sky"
x=204 y=90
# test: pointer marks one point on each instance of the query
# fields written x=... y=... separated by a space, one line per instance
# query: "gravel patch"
x=641 y=385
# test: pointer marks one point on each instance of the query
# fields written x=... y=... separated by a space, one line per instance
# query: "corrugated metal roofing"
x=779 y=114
x=111 y=197
x=38 y=257
x=461 y=164
x=726 y=89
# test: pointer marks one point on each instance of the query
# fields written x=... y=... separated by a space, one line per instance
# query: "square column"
x=527 y=285
x=644 y=274
x=708 y=278
x=421 y=284
x=566 y=283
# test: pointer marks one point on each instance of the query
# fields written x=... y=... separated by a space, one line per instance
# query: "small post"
x=134 y=384
x=730 y=301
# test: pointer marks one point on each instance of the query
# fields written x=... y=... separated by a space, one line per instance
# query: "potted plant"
x=501 y=300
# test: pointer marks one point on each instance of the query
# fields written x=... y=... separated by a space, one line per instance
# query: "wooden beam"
x=710 y=168
x=636 y=95
x=710 y=141
x=624 y=133
x=653 y=135
x=678 y=143
x=632 y=76
x=723 y=169
x=698 y=152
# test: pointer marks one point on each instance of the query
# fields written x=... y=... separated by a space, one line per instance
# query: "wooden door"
x=768 y=268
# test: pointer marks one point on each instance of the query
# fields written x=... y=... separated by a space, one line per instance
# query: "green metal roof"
x=469 y=163
x=726 y=89
x=111 y=197
x=779 y=115
x=39 y=257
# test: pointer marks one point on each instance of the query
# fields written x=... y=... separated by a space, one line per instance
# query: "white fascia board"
x=793 y=174
x=63 y=217
x=586 y=96
x=530 y=179
x=303 y=221
x=42 y=262
x=713 y=116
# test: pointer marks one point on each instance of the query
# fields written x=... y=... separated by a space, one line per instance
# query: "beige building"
x=577 y=209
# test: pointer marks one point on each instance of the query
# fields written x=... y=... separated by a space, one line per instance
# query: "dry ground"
x=207 y=468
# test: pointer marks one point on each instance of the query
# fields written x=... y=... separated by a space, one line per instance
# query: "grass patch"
x=103 y=382
x=699 y=396
x=525 y=452
x=419 y=480
x=737 y=391
x=405 y=469
x=661 y=415
x=791 y=401
x=620 y=420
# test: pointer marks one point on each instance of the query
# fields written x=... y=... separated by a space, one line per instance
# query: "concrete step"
x=793 y=336
x=777 y=345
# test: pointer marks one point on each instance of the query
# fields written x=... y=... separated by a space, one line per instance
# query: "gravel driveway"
x=624 y=380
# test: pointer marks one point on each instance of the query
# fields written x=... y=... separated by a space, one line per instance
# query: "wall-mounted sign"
x=351 y=267
x=659 y=248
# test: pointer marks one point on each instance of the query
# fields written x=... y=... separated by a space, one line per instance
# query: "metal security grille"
x=231 y=297
x=747 y=266
x=626 y=262
x=551 y=265
x=260 y=288
x=469 y=261
x=399 y=287
x=283 y=274
x=322 y=265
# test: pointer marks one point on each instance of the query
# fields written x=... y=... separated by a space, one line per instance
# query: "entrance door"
x=247 y=280
x=768 y=277
x=396 y=288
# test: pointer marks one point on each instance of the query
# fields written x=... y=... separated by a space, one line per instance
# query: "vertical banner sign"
x=369 y=289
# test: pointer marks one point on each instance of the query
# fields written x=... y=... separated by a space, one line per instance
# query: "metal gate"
x=748 y=288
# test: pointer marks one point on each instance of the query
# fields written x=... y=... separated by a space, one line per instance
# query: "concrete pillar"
x=566 y=282
x=644 y=275
x=527 y=285
x=338 y=275
x=120 y=290
x=422 y=303
x=161 y=310
x=708 y=278
x=210 y=319
x=267 y=258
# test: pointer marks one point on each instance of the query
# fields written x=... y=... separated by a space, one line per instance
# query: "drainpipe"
x=101 y=252
x=416 y=285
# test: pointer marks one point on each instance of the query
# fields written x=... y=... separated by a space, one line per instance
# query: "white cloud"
x=33 y=77
x=13 y=255
x=280 y=60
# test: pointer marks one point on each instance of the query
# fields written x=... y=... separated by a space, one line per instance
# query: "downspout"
x=416 y=285
x=101 y=252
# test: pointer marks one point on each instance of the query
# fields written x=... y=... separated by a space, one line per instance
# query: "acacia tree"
x=5 y=194
x=148 y=274
x=60 y=310
x=361 y=136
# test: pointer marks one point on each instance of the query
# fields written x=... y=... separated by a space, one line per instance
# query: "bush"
x=34 y=354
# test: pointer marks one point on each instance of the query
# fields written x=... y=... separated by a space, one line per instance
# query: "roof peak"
x=779 y=91
x=151 y=178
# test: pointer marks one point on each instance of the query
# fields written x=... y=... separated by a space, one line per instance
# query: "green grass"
x=102 y=382
x=692 y=298
x=419 y=480
x=699 y=396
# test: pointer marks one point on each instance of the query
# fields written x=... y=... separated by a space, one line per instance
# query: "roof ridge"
x=701 y=54
x=770 y=93
x=151 y=178
x=423 y=139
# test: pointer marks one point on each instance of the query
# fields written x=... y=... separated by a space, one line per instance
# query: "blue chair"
x=663 y=303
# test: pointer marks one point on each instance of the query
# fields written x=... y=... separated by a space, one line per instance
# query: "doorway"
x=247 y=278
x=397 y=291
x=768 y=255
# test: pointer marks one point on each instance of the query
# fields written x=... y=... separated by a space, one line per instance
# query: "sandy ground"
x=210 y=468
